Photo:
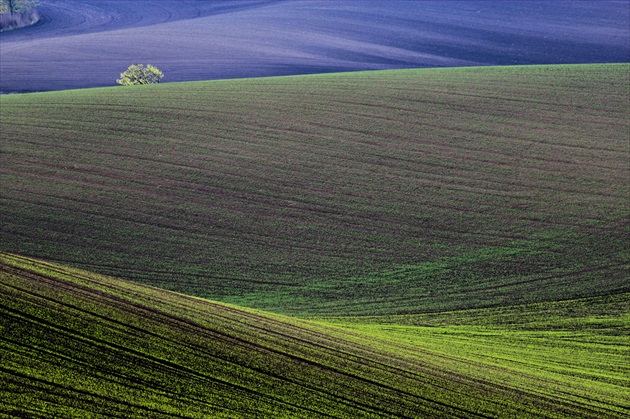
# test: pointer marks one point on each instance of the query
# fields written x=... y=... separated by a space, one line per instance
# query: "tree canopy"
x=139 y=74
x=17 y=6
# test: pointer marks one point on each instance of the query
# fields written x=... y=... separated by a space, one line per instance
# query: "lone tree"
x=139 y=74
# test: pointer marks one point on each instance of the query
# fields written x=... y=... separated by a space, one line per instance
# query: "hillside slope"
x=88 y=43
x=76 y=344
x=359 y=193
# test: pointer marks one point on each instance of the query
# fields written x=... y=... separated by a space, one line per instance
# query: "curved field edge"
x=580 y=345
x=77 y=344
x=308 y=36
x=374 y=193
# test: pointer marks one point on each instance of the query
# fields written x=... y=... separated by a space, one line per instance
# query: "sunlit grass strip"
x=575 y=349
x=77 y=344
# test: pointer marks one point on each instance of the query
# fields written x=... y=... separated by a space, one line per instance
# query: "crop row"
x=80 y=344
x=316 y=194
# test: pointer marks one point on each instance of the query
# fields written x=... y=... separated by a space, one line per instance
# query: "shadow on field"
x=87 y=43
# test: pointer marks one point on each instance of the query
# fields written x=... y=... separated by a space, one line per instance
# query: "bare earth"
x=87 y=43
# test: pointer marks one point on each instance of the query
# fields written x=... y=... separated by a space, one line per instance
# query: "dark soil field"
x=87 y=43
x=371 y=193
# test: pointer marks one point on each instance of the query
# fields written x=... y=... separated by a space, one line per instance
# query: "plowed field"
x=359 y=193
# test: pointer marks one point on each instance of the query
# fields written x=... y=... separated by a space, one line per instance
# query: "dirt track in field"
x=87 y=43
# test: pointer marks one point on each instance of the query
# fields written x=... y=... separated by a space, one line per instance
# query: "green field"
x=417 y=243
x=76 y=344
x=362 y=193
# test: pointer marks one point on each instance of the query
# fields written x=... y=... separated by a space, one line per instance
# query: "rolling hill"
x=88 y=43
x=76 y=344
x=374 y=193
x=425 y=243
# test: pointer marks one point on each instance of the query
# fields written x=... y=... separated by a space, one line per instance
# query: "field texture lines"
x=77 y=344
x=577 y=350
x=370 y=193
x=220 y=39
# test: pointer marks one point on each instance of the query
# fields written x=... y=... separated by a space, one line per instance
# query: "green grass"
x=78 y=344
x=447 y=243
x=578 y=347
x=369 y=193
